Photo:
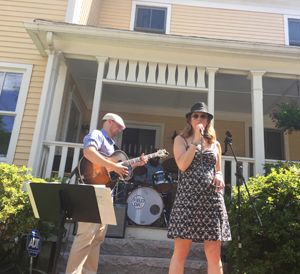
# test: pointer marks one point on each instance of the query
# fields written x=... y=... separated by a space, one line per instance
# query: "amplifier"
x=118 y=231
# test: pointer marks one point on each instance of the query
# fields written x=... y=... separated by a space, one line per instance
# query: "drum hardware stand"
x=164 y=211
x=116 y=192
x=165 y=217
x=240 y=180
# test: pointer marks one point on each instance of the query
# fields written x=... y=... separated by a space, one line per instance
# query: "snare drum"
x=162 y=182
x=144 y=206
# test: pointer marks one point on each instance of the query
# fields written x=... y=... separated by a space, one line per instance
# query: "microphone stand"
x=240 y=180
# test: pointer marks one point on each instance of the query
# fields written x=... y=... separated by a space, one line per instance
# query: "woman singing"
x=199 y=213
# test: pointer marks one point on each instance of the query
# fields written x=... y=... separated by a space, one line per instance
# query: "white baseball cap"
x=114 y=117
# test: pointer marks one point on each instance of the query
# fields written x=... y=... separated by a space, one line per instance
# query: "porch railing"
x=60 y=158
x=229 y=168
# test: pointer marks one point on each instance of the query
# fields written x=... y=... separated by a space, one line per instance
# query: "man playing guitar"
x=84 y=254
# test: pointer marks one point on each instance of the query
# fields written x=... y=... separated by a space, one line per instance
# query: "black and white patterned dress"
x=199 y=211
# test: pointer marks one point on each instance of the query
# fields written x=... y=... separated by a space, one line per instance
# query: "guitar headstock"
x=162 y=153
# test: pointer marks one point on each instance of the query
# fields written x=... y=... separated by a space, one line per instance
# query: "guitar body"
x=98 y=175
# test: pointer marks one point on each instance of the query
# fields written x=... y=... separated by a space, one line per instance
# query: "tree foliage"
x=273 y=248
x=287 y=116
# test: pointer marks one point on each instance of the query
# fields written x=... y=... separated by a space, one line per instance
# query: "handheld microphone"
x=201 y=130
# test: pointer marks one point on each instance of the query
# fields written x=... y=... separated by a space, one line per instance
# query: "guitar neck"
x=138 y=159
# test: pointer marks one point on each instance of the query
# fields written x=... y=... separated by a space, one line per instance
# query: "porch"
x=153 y=98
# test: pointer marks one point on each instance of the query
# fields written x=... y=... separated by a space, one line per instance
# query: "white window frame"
x=18 y=113
x=286 y=28
x=150 y=4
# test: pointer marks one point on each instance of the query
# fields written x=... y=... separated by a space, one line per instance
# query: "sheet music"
x=105 y=205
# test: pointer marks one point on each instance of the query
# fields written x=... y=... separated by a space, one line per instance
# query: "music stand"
x=56 y=202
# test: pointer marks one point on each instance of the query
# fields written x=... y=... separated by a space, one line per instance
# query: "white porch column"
x=211 y=89
x=98 y=93
x=43 y=112
x=57 y=100
x=257 y=120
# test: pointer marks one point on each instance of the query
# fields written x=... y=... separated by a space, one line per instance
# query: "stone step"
x=116 y=264
x=147 y=248
x=134 y=255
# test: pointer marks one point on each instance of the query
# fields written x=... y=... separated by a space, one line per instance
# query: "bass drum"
x=144 y=206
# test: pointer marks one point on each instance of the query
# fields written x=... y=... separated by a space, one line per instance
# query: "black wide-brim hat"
x=199 y=107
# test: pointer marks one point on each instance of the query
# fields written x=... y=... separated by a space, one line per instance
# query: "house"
x=65 y=63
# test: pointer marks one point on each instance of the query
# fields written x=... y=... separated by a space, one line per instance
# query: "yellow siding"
x=115 y=14
x=238 y=131
x=294 y=146
x=17 y=47
x=227 y=24
x=202 y=22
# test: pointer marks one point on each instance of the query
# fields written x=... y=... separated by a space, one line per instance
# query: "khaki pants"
x=84 y=254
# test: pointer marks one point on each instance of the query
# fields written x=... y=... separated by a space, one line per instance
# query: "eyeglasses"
x=202 y=116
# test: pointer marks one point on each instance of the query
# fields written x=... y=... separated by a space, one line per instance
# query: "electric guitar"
x=98 y=175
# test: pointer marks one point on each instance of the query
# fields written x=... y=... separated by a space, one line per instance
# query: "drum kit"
x=147 y=204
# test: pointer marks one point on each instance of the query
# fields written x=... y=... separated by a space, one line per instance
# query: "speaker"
x=118 y=231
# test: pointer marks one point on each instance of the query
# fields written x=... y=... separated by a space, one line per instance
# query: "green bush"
x=16 y=215
x=279 y=164
x=274 y=247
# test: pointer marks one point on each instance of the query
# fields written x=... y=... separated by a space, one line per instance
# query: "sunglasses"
x=202 y=116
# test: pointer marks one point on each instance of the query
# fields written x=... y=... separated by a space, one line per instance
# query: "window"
x=140 y=138
x=13 y=92
x=292 y=31
x=136 y=141
x=150 y=19
x=274 y=144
